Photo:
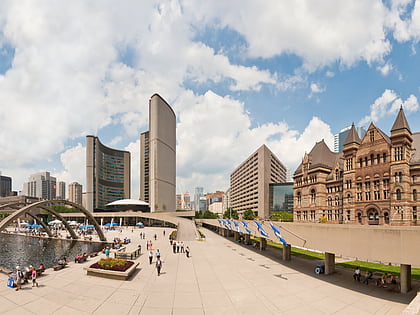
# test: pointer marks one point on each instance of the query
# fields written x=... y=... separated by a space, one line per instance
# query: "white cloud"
x=74 y=165
x=385 y=69
x=388 y=104
x=316 y=88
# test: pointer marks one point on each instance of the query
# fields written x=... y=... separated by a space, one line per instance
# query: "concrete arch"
x=41 y=204
x=46 y=228
x=63 y=220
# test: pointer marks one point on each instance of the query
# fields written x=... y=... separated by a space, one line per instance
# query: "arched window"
x=360 y=162
x=348 y=198
x=378 y=158
x=313 y=196
x=398 y=193
x=299 y=198
x=386 y=217
x=366 y=161
x=414 y=194
x=337 y=201
x=359 y=217
x=329 y=201
x=372 y=159
x=384 y=157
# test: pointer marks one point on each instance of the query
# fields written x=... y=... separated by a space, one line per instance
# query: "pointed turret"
x=352 y=136
x=400 y=123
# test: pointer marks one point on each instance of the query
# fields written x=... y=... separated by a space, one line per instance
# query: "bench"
x=58 y=267
x=81 y=259
x=94 y=254
x=128 y=255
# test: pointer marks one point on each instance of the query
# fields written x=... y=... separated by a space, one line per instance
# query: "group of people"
x=382 y=281
x=22 y=276
x=178 y=247
x=80 y=258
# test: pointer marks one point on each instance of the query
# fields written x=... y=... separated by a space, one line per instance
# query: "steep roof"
x=416 y=146
x=400 y=122
x=352 y=136
x=321 y=156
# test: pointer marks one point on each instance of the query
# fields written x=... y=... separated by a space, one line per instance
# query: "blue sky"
x=238 y=74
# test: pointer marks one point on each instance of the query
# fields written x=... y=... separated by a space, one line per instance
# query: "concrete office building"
x=216 y=202
x=108 y=176
x=75 y=193
x=5 y=186
x=41 y=185
x=341 y=137
x=249 y=182
x=61 y=190
x=375 y=180
x=158 y=157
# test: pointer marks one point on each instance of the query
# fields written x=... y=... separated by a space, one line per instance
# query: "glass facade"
x=281 y=197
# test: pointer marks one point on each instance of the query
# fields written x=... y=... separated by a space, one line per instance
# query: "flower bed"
x=113 y=264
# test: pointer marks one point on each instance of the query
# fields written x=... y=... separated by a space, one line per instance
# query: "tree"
x=249 y=214
x=209 y=215
x=230 y=214
x=283 y=216
x=198 y=215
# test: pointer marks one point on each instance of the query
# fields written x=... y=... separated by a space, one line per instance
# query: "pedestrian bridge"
x=385 y=244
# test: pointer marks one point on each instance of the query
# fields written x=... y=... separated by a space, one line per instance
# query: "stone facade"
x=375 y=180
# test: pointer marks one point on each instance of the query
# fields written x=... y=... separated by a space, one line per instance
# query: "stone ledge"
x=111 y=274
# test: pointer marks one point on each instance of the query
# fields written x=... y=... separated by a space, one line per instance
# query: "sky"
x=237 y=73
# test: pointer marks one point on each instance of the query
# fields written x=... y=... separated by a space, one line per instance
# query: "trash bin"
x=319 y=269
x=11 y=282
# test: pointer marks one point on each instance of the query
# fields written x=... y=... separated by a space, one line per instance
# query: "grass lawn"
x=363 y=265
x=375 y=267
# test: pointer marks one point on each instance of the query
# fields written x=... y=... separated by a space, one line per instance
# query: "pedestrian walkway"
x=220 y=277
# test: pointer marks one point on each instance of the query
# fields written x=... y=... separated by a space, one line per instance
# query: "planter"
x=111 y=274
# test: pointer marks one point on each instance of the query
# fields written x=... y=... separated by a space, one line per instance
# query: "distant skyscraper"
x=186 y=201
x=158 y=157
x=75 y=193
x=340 y=138
x=61 y=190
x=5 y=186
x=198 y=192
x=215 y=202
x=41 y=185
x=108 y=176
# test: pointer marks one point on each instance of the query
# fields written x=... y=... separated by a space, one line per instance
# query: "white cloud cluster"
x=388 y=104
x=79 y=68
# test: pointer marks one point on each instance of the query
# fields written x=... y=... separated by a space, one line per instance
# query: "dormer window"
x=372 y=135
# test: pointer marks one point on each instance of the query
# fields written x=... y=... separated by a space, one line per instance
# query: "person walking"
x=157 y=254
x=150 y=257
x=187 y=251
x=158 y=265
x=182 y=247
x=33 y=276
x=174 y=247
x=19 y=278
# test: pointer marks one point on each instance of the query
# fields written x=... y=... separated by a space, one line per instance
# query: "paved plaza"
x=220 y=277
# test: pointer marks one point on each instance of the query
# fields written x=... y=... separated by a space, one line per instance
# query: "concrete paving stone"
x=123 y=297
x=163 y=300
x=42 y=306
x=6 y=305
x=18 y=310
x=85 y=304
x=21 y=297
x=182 y=300
x=156 y=311
x=112 y=308
x=252 y=309
x=220 y=310
x=190 y=311
x=215 y=299
x=66 y=310
x=135 y=310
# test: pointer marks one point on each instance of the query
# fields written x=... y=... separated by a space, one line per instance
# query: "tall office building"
x=108 y=176
x=61 y=191
x=249 y=182
x=341 y=137
x=198 y=192
x=41 y=185
x=5 y=186
x=158 y=157
x=215 y=202
x=75 y=193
